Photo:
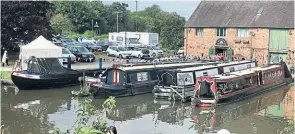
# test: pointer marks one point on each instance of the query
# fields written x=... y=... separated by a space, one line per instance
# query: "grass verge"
x=5 y=75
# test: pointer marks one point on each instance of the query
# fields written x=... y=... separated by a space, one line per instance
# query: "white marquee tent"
x=39 y=48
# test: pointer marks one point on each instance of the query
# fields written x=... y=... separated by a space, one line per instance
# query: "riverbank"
x=5 y=76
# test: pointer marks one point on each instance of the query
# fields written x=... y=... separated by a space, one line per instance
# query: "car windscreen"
x=155 y=48
x=82 y=49
x=65 y=51
x=121 y=49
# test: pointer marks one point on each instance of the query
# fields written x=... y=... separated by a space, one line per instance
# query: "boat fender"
x=223 y=131
x=154 y=90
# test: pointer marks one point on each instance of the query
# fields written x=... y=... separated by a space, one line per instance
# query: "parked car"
x=181 y=50
x=91 y=46
x=60 y=44
x=82 y=53
x=139 y=52
x=66 y=53
x=105 y=44
x=155 y=51
x=118 y=51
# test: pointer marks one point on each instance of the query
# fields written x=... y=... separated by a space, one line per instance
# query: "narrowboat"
x=212 y=90
x=216 y=117
x=45 y=73
x=125 y=80
x=179 y=83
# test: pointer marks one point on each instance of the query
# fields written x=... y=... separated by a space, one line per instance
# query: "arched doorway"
x=221 y=48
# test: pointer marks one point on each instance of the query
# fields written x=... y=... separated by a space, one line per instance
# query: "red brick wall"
x=291 y=48
x=198 y=45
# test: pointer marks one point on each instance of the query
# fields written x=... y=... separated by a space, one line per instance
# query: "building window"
x=221 y=31
x=199 y=31
x=243 y=32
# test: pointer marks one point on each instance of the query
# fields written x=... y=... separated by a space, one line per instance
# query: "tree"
x=110 y=17
x=61 y=24
x=168 y=25
x=25 y=20
x=81 y=13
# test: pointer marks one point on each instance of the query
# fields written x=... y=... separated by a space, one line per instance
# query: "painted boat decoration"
x=179 y=83
x=125 y=80
x=211 y=90
x=45 y=73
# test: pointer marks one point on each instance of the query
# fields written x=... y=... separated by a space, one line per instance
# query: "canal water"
x=38 y=111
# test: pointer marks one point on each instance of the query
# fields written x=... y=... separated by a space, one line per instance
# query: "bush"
x=101 y=37
x=88 y=33
x=75 y=37
x=96 y=37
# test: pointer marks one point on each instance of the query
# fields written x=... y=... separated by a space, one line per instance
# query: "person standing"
x=5 y=58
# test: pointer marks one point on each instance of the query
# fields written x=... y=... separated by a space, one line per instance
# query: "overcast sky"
x=183 y=8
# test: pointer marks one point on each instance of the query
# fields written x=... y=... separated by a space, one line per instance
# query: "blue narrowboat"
x=129 y=80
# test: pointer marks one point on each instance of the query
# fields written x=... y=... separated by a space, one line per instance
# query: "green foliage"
x=168 y=25
x=85 y=111
x=25 y=20
x=75 y=36
x=88 y=33
x=61 y=23
x=5 y=75
x=101 y=36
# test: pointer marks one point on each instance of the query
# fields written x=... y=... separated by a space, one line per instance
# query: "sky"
x=183 y=8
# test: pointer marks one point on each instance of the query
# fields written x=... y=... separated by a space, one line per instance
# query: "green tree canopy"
x=61 y=24
x=25 y=20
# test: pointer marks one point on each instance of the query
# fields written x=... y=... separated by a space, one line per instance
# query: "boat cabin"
x=131 y=74
x=139 y=79
x=187 y=76
x=227 y=85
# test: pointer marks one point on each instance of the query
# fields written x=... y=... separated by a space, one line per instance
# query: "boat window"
x=205 y=73
x=249 y=66
x=185 y=78
x=33 y=67
x=143 y=76
x=231 y=69
x=132 y=78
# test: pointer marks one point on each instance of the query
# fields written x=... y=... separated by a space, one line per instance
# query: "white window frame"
x=219 y=30
x=199 y=31
x=142 y=76
x=242 y=32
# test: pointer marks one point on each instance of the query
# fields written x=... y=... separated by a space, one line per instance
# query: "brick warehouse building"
x=232 y=28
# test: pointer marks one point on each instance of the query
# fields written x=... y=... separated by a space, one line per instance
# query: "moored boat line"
x=211 y=90
x=179 y=83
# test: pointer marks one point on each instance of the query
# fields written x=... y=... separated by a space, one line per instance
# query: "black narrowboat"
x=211 y=90
x=131 y=80
x=183 y=79
x=45 y=73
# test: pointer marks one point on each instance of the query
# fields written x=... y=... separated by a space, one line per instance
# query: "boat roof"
x=213 y=66
x=243 y=72
x=125 y=68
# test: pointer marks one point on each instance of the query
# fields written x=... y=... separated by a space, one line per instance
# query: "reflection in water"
x=37 y=112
